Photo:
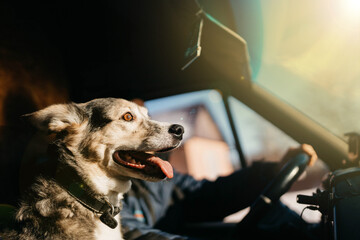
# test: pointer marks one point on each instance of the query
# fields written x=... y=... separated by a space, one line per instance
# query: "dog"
x=99 y=146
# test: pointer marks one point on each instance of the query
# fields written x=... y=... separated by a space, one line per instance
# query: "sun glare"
x=350 y=9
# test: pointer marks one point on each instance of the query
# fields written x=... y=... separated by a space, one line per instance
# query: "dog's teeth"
x=131 y=160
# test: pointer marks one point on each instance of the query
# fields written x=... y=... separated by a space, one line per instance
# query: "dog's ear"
x=56 y=118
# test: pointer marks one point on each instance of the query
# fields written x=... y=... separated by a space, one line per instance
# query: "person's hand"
x=303 y=148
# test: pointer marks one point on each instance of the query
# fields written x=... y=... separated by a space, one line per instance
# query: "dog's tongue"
x=147 y=162
x=165 y=166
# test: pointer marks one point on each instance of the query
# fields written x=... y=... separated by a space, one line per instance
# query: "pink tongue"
x=165 y=166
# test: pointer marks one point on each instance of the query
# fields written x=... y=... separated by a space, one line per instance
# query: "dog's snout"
x=176 y=130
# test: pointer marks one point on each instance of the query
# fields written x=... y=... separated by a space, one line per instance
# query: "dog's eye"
x=128 y=117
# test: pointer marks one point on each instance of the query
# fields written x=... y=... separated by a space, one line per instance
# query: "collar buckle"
x=111 y=207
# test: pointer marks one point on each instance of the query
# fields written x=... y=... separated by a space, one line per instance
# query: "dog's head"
x=109 y=136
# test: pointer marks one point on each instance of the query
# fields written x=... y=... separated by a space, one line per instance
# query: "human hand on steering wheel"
x=291 y=166
x=294 y=151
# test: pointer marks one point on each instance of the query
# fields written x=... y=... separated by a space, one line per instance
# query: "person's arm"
x=214 y=200
x=133 y=229
x=217 y=199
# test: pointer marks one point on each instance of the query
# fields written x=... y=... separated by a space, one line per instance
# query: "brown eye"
x=128 y=117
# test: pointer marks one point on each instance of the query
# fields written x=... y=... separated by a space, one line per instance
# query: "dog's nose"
x=177 y=131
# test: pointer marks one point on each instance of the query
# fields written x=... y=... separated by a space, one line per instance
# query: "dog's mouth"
x=147 y=163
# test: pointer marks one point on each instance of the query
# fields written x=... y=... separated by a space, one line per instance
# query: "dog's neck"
x=88 y=184
x=103 y=184
x=90 y=173
x=107 y=206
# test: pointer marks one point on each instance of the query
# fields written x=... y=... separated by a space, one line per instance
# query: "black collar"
x=69 y=179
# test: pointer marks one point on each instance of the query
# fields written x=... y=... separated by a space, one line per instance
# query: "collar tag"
x=108 y=218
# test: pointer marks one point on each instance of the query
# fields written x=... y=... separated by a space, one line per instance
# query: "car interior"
x=242 y=77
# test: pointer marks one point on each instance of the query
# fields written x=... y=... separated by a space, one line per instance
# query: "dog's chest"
x=103 y=232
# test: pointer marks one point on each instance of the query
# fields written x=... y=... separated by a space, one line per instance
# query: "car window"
x=208 y=149
x=308 y=55
x=259 y=138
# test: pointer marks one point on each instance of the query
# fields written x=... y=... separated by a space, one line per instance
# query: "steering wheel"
x=274 y=190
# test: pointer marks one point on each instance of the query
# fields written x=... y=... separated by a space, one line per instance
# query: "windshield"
x=309 y=56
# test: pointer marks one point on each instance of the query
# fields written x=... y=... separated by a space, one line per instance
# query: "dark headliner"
x=125 y=49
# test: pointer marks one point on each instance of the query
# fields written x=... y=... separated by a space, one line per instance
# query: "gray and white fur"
x=87 y=135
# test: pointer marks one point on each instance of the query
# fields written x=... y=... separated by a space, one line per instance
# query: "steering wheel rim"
x=289 y=173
